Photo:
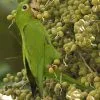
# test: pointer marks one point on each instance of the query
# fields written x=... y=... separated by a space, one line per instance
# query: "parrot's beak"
x=12 y=16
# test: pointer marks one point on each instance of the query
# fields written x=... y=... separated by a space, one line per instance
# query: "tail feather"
x=31 y=78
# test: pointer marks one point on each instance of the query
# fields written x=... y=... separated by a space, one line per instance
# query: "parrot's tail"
x=31 y=78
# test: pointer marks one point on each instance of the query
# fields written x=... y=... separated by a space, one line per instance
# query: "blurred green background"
x=10 y=47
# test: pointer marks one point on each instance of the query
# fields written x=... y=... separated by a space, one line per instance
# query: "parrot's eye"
x=25 y=7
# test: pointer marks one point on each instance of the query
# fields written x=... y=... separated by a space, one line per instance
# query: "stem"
x=47 y=3
x=61 y=78
x=85 y=63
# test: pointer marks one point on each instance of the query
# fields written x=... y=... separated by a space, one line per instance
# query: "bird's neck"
x=23 y=22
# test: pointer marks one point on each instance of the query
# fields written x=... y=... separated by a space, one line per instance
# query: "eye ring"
x=25 y=7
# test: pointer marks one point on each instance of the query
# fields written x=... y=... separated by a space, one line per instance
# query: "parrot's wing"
x=33 y=39
x=29 y=73
x=38 y=50
x=50 y=52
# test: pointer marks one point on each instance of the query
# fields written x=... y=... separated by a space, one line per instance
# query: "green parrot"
x=37 y=49
x=38 y=52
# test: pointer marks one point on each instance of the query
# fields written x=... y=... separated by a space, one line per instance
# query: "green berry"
x=28 y=96
x=58 y=86
x=24 y=78
x=56 y=61
x=92 y=93
x=59 y=24
x=51 y=70
x=53 y=31
x=11 y=78
x=9 y=17
x=64 y=84
x=46 y=14
x=17 y=92
x=81 y=6
x=97 y=79
x=97 y=60
x=9 y=92
x=37 y=98
x=83 y=79
x=22 y=96
x=39 y=16
x=13 y=12
x=59 y=28
x=5 y=80
x=95 y=2
x=8 y=75
x=89 y=97
x=87 y=84
x=17 y=79
x=97 y=85
x=56 y=2
x=60 y=34
x=19 y=74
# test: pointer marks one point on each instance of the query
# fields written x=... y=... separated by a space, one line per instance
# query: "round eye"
x=25 y=7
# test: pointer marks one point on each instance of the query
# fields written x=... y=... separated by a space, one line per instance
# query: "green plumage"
x=36 y=46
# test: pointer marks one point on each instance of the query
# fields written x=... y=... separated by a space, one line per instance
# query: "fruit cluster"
x=74 y=29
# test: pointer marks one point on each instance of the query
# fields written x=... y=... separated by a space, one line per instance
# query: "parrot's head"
x=22 y=14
